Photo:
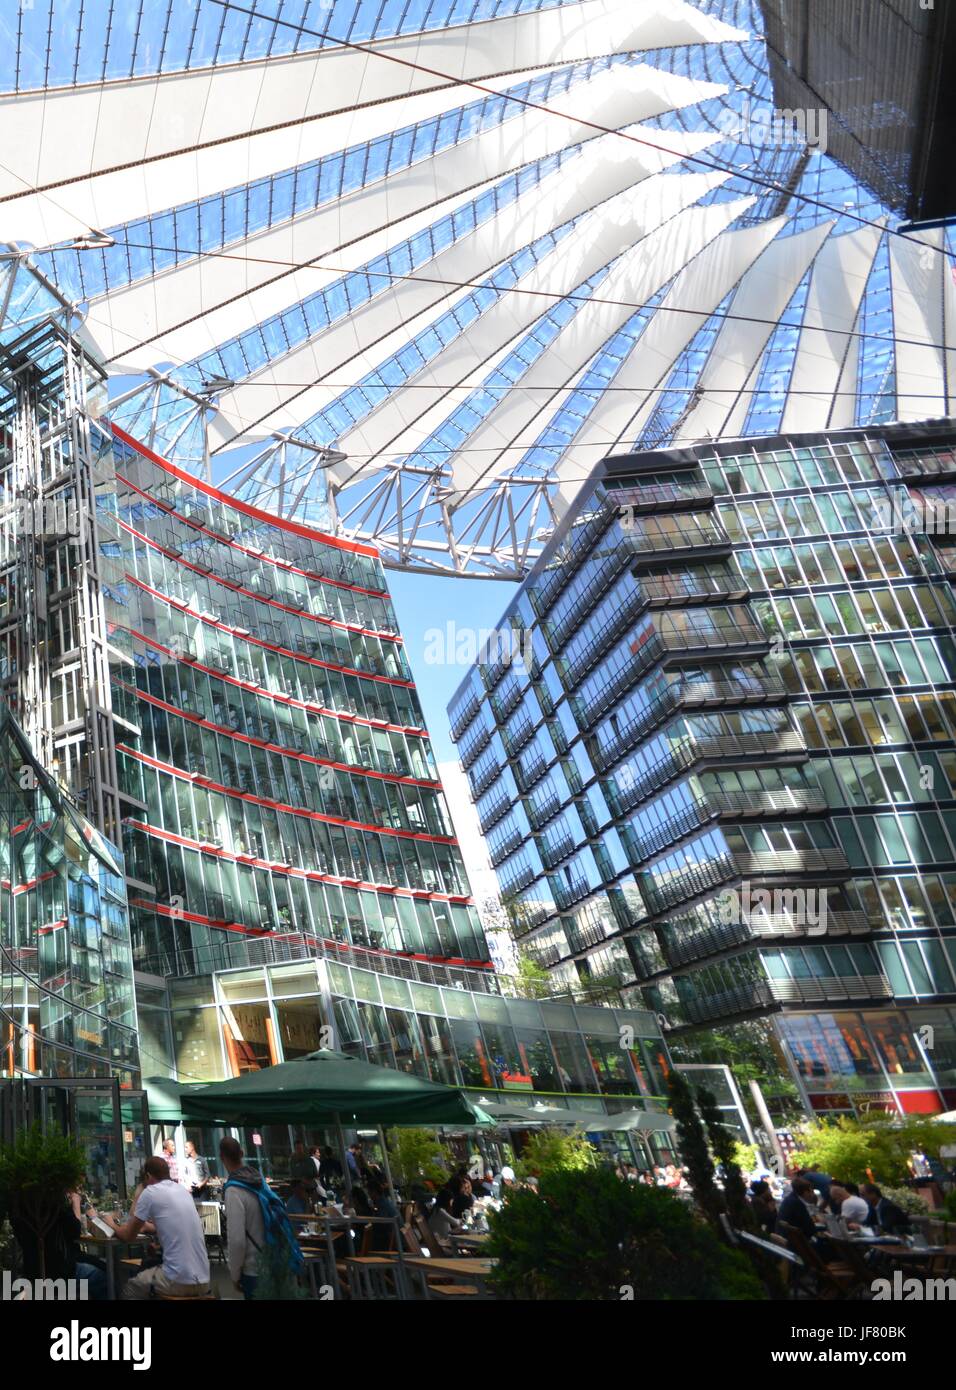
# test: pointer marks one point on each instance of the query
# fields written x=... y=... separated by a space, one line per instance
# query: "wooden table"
x=470 y=1240
x=474 y=1270
x=109 y=1245
x=331 y=1228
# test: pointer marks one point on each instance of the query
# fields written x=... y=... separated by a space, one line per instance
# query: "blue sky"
x=423 y=602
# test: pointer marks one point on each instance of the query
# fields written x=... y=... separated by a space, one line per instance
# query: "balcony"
x=675 y=590
x=687 y=883
x=722 y=937
x=580 y=543
x=482 y=778
x=506 y=699
x=759 y=996
x=663 y=497
x=539 y=815
x=928 y=463
x=515 y=739
x=494 y=813
x=499 y=852
x=680 y=694
x=465 y=716
x=469 y=750
x=793 y=862
x=554 y=854
x=599 y=581
x=522 y=877
x=567 y=894
x=528 y=776
x=696 y=545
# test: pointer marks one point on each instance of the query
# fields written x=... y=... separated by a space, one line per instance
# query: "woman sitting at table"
x=441 y=1222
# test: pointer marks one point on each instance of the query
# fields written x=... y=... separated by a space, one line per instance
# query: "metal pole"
x=343 y=1153
x=388 y=1170
x=768 y=1125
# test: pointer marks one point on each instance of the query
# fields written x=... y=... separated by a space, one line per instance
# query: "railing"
x=245 y=952
x=566 y=895
x=494 y=813
x=599 y=581
x=776 y=802
x=580 y=542
x=498 y=852
x=465 y=716
x=469 y=751
x=527 y=777
x=520 y=879
x=792 y=861
x=667 y=587
x=482 y=780
x=506 y=699
x=758 y=995
x=540 y=815
x=515 y=739
x=552 y=855
x=657 y=496
x=722 y=936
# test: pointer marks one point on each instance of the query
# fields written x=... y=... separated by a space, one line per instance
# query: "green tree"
x=36 y=1172
x=876 y=1144
x=588 y=1236
x=551 y=1151
x=694 y=1149
x=532 y=980
x=417 y=1156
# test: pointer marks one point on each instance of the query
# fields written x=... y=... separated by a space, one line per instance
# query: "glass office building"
x=66 y=975
x=721 y=763
x=227 y=695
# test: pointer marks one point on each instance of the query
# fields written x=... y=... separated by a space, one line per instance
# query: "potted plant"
x=36 y=1172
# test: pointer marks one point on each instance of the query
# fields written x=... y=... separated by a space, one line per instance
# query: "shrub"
x=36 y=1172
x=416 y=1156
x=550 y=1151
x=877 y=1144
x=590 y=1236
x=907 y=1200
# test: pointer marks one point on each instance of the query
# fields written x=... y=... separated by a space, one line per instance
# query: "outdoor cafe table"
x=469 y=1240
x=110 y=1246
x=473 y=1270
x=332 y=1227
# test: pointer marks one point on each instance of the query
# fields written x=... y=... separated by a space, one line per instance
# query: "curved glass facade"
x=274 y=740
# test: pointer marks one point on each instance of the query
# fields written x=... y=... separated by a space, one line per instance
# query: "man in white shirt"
x=184 y=1272
x=850 y=1205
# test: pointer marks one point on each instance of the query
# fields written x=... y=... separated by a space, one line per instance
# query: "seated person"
x=848 y=1204
x=485 y=1186
x=60 y=1250
x=890 y=1218
x=764 y=1207
x=299 y=1200
x=184 y=1272
x=383 y=1237
x=794 y=1210
x=441 y=1221
x=359 y=1204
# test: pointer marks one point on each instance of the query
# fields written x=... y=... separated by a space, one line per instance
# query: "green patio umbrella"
x=324 y=1086
x=163 y=1096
